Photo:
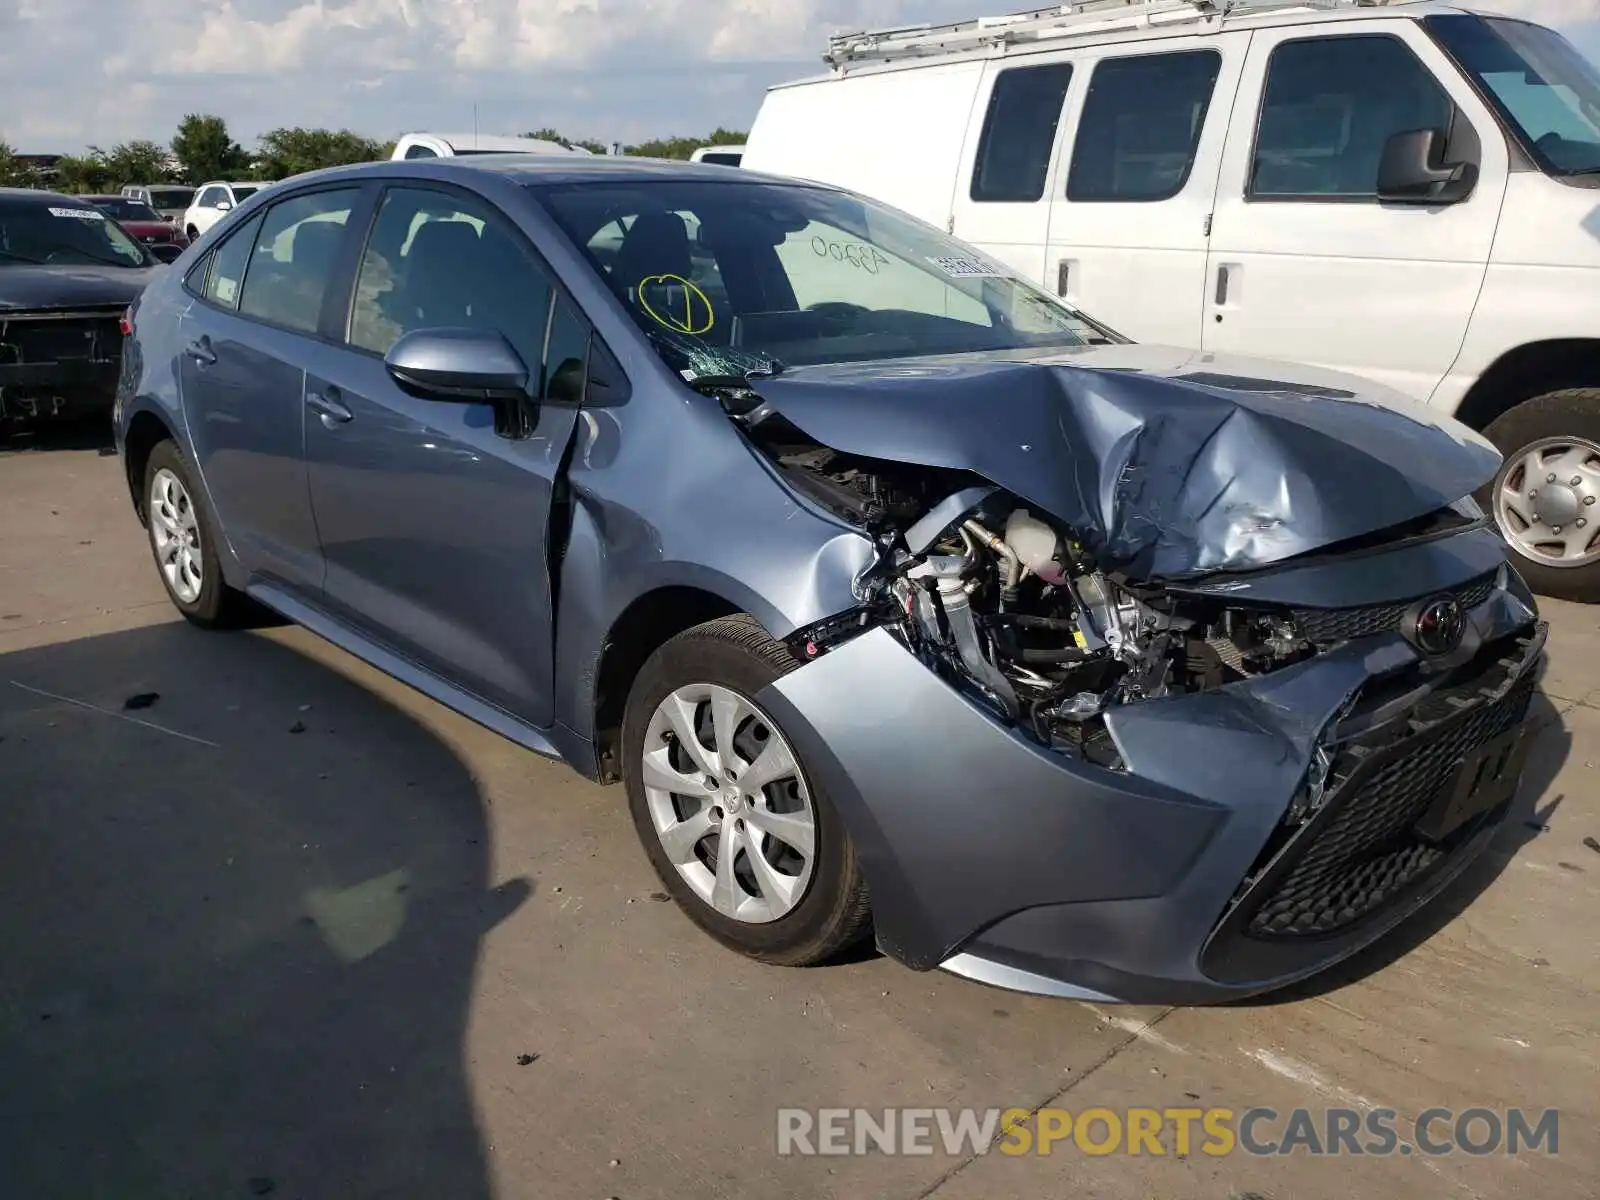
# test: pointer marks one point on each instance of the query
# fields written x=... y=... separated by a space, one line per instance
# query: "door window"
x=210 y=198
x=1141 y=126
x=1327 y=109
x=226 y=272
x=294 y=258
x=1019 y=132
x=437 y=259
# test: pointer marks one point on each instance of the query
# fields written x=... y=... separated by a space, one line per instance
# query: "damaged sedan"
x=903 y=600
x=67 y=275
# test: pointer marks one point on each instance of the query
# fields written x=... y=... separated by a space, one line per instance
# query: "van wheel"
x=1546 y=496
x=746 y=842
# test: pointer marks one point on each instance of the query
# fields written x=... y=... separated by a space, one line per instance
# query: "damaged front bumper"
x=1255 y=834
x=59 y=363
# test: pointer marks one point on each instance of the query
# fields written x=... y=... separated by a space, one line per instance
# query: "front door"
x=244 y=343
x=1306 y=264
x=433 y=520
x=1131 y=209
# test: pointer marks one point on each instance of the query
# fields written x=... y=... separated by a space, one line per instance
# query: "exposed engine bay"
x=1003 y=601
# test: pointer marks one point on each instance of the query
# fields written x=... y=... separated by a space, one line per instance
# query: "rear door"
x=434 y=515
x=1001 y=203
x=1131 y=211
x=1306 y=264
x=246 y=342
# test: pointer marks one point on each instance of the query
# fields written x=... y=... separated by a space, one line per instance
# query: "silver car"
x=899 y=596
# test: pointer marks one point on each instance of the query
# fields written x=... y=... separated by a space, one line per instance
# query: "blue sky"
x=74 y=72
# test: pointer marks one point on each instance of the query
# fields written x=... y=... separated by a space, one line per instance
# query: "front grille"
x=1326 y=626
x=85 y=335
x=1366 y=850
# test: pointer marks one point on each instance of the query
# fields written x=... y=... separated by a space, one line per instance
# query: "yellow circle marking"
x=686 y=323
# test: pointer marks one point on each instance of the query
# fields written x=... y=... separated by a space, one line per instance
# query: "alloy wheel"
x=175 y=533
x=729 y=802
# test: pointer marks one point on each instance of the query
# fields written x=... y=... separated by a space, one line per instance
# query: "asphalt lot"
x=392 y=955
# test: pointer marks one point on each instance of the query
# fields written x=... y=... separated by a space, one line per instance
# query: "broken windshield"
x=732 y=277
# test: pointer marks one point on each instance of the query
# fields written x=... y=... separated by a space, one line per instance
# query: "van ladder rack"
x=1076 y=18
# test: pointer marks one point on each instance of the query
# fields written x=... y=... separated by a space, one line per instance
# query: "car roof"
x=11 y=193
x=554 y=170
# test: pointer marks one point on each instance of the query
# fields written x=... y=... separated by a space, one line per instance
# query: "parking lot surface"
x=290 y=929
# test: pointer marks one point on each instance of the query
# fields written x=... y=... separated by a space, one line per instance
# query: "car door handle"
x=328 y=405
x=200 y=350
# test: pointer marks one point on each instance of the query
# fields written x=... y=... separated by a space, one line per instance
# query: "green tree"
x=137 y=162
x=205 y=151
x=79 y=174
x=13 y=172
x=683 y=147
x=285 y=152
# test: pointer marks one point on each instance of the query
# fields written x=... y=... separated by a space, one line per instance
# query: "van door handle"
x=200 y=350
x=328 y=406
x=1222 y=284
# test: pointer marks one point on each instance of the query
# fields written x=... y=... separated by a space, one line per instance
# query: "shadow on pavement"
x=1530 y=811
x=237 y=959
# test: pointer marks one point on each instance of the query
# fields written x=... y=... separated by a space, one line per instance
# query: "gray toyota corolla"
x=899 y=596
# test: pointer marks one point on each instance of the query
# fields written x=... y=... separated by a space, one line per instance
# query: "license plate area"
x=1485 y=779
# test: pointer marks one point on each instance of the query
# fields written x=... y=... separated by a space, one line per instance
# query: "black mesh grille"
x=1366 y=851
x=1324 y=626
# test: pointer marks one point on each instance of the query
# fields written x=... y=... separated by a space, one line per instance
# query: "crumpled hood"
x=1164 y=462
x=23 y=286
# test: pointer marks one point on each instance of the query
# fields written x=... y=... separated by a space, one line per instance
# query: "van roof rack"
x=1072 y=19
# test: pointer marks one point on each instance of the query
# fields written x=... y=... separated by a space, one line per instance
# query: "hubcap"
x=729 y=803
x=1547 y=501
x=175 y=534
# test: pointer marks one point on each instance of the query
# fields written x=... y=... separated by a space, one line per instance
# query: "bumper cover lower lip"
x=1026 y=869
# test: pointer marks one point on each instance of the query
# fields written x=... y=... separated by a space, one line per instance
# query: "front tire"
x=183 y=541
x=1546 y=496
x=747 y=843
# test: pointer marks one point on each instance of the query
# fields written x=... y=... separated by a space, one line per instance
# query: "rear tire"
x=784 y=909
x=184 y=540
x=1546 y=496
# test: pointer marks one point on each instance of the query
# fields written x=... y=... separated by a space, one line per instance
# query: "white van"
x=450 y=145
x=1410 y=192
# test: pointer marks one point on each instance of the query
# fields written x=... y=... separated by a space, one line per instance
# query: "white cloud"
x=74 y=72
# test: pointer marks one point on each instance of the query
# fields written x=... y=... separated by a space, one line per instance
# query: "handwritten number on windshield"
x=860 y=255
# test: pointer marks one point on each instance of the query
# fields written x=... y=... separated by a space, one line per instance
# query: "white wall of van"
x=1212 y=182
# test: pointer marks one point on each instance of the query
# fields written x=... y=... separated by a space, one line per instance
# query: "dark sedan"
x=899 y=595
x=67 y=276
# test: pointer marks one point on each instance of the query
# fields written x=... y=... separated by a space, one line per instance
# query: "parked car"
x=720 y=156
x=1405 y=192
x=171 y=200
x=893 y=589
x=67 y=276
x=452 y=145
x=211 y=201
x=141 y=221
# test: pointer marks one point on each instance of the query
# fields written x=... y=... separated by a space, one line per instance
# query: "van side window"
x=1019 y=132
x=1140 y=126
x=1328 y=107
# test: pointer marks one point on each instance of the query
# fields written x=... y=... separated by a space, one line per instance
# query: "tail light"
x=125 y=322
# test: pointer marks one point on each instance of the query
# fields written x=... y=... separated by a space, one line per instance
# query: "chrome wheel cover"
x=175 y=534
x=1547 y=502
x=729 y=803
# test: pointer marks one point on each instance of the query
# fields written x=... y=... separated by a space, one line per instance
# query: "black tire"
x=1570 y=413
x=217 y=605
x=835 y=910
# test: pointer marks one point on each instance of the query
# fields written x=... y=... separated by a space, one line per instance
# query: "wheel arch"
x=1527 y=371
x=651 y=619
x=146 y=431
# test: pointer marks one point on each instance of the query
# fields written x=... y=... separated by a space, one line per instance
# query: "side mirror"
x=165 y=252
x=224 y=205
x=467 y=366
x=1413 y=171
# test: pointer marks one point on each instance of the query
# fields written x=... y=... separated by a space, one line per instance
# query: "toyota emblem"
x=1435 y=626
